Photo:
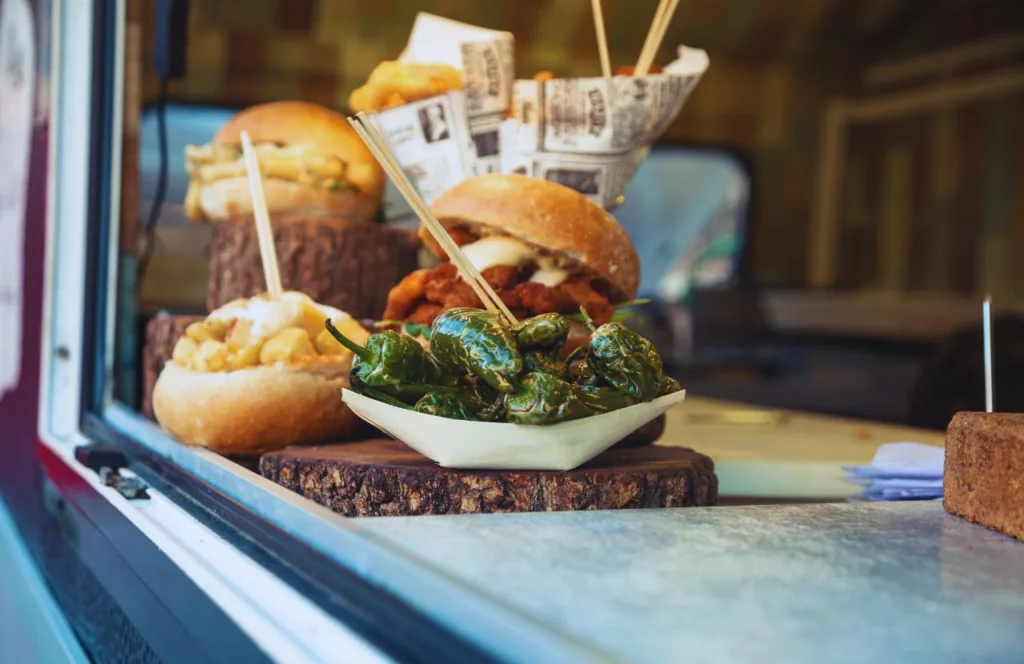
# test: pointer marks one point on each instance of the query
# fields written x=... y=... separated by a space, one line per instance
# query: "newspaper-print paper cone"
x=591 y=134
x=446 y=139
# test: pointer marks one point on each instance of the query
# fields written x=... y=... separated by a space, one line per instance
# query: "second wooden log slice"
x=162 y=333
x=385 y=477
x=349 y=265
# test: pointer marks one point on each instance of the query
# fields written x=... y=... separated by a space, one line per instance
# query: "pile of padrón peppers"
x=480 y=368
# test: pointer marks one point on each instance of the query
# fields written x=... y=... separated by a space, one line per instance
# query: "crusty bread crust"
x=548 y=216
x=983 y=468
x=298 y=122
x=255 y=410
x=223 y=199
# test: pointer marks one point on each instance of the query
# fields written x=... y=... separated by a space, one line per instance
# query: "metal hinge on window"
x=108 y=463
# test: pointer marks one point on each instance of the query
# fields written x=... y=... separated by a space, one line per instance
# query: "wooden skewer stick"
x=986 y=328
x=466 y=269
x=602 y=39
x=268 y=252
x=666 y=19
x=375 y=142
x=652 y=32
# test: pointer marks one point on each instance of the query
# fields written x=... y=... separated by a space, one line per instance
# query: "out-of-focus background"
x=818 y=225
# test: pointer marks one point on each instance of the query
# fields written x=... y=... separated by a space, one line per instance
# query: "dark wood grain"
x=384 y=478
x=162 y=332
x=349 y=265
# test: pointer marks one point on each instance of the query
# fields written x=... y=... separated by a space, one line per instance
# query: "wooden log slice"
x=162 y=332
x=983 y=468
x=386 y=478
x=350 y=265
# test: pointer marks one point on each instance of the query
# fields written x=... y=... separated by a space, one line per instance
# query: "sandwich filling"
x=263 y=332
x=299 y=163
x=526 y=280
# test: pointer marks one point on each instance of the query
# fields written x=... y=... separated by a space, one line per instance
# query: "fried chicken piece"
x=439 y=282
x=425 y=313
x=511 y=299
x=541 y=299
x=461 y=236
x=501 y=276
x=460 y=294
x=406 y=294
x=580 y=290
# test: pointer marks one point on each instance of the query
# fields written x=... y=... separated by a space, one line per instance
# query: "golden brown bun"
x=546 y=215
x=223 y=199
x=254 y=410
x=298 y=122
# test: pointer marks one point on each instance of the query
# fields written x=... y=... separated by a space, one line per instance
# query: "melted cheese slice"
x=500 y=250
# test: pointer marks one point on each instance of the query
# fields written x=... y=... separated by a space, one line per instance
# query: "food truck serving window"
x=169 y=372
x=279 y=550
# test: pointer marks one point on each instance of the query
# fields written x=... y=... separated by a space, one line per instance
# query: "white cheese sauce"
x=269 y=317
x=501 y=250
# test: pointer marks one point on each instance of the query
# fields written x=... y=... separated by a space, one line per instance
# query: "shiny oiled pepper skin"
x=448 y=404
x=603 y=399
x=477 y=342
x=539 y=339
x=626 y=361
x=668 y=386
x=541 y=398
x=545 y=362
x=580 y=371
x=543 y=332
x=393 y=364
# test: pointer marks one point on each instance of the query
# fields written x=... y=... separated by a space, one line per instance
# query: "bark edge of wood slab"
x=983 y=469
x=387 y=478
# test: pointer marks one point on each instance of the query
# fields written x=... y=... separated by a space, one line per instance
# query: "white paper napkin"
x=901 y=471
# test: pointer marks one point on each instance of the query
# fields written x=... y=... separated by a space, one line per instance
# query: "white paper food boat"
x=500 y=446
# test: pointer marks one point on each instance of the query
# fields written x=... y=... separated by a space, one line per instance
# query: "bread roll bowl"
x=259 y=375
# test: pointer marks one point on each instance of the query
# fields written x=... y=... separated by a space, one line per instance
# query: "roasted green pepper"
x=477 y=342
x=624 y=360
x=448 y=404
x=491 y=402
x=603 y=399
x=541 y=398
x=543 y=332
x=393 y=364
x=668 y=386
x=580 y=371
x=545 y=362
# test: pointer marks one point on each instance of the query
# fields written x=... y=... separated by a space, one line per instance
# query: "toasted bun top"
x=546 y=215
x=299 y=122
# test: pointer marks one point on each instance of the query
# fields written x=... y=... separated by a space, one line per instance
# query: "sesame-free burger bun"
x=255 y=410
x=299 y=122
x=548 y=216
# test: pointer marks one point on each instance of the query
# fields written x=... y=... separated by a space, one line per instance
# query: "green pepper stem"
x=587 y=320
x=361 y=352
